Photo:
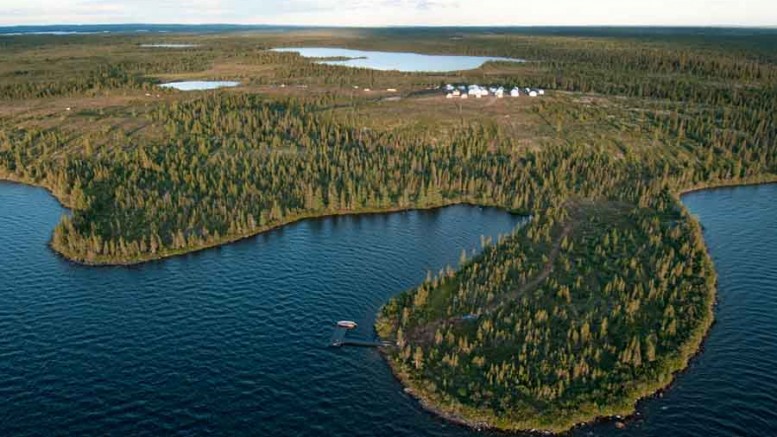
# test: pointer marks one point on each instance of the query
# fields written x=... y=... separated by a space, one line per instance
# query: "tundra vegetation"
x=597 y=302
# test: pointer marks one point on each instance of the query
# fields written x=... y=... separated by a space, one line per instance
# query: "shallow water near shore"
x=234 y=340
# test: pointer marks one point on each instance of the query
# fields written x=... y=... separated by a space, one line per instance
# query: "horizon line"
x=390 y=26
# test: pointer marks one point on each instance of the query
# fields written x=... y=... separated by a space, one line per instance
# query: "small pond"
x=196 y=85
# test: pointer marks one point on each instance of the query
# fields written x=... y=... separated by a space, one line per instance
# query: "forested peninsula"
x=597 y=302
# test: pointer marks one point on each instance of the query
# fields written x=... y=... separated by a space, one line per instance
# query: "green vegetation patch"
x=577 y=315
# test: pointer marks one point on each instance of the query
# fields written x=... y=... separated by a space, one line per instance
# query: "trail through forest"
x=425 y=334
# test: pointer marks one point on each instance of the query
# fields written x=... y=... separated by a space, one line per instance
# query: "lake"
x=399 y=61
x=233 y=340
x=197 y=85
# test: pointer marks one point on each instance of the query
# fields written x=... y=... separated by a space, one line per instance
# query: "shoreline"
x=747 y=182
x=63 y=201
x=236 y=238
x=276 y=226
x=13 y=179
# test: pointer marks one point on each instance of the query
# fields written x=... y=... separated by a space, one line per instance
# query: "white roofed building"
x=477 y=91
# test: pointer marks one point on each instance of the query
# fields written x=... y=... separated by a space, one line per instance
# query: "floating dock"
x=339 y=339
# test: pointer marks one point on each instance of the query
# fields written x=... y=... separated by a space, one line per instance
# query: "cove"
x=232 y=340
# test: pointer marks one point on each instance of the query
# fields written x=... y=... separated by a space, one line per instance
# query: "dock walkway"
x=339 y=339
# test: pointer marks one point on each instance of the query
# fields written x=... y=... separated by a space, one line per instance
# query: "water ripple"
x=231 y=341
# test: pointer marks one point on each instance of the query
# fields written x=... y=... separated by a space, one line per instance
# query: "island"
x=598 y=301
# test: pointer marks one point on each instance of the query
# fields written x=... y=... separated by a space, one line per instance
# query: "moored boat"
x=347 y=324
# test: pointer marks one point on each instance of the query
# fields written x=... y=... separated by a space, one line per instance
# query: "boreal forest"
x=597 y=301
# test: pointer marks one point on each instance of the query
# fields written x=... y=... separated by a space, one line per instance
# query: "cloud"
x=393 y=12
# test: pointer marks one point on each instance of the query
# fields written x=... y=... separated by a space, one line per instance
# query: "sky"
x=761 y=13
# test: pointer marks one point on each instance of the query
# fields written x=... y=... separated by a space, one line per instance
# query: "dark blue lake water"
x=233 y=341
x=229 y=341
